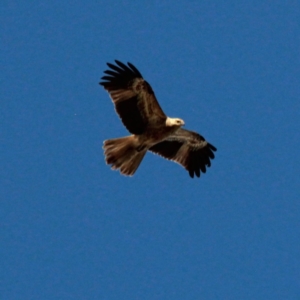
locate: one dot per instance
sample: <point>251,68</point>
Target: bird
<point>149,127</point>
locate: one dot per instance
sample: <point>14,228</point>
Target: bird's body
<point>151,129</point>
<point>158,132</point>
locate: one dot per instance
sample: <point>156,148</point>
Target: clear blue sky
<point>73,229</point>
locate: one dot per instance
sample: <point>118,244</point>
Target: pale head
<point>174,122</point>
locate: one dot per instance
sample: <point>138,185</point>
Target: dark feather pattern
<point>197,156</point>
<point>121,78</point>
<point>131,116</point>
<point>133,106</point>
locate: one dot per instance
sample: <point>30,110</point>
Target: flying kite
<point>151,129</point>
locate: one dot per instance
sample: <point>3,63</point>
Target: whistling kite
<point>151,129</point>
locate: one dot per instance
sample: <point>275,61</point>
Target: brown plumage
<point>151,129</point>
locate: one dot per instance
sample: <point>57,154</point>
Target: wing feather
<point>133,97</point>
<point>187,148</point>
<point>135,70</point>
<point>109,72</point>
<point>113,67</point>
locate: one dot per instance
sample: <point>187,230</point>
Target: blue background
<point>73,229</point>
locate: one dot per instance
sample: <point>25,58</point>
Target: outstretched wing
<point>132,96</point>
<point>187,148</point>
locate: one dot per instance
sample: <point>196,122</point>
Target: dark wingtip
<point>191,173</point>
<point>134,69</point>
<point>120,64</point>
<point>120,68</point>
<point>114,67</point>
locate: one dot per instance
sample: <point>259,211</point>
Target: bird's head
<point>174,122</point>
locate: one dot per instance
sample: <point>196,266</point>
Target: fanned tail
<point>121,153</point>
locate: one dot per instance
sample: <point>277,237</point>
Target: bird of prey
<point>151,129</point>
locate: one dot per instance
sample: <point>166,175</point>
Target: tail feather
<point>121,154</point>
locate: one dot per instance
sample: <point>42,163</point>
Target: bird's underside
<point>151,130</point>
